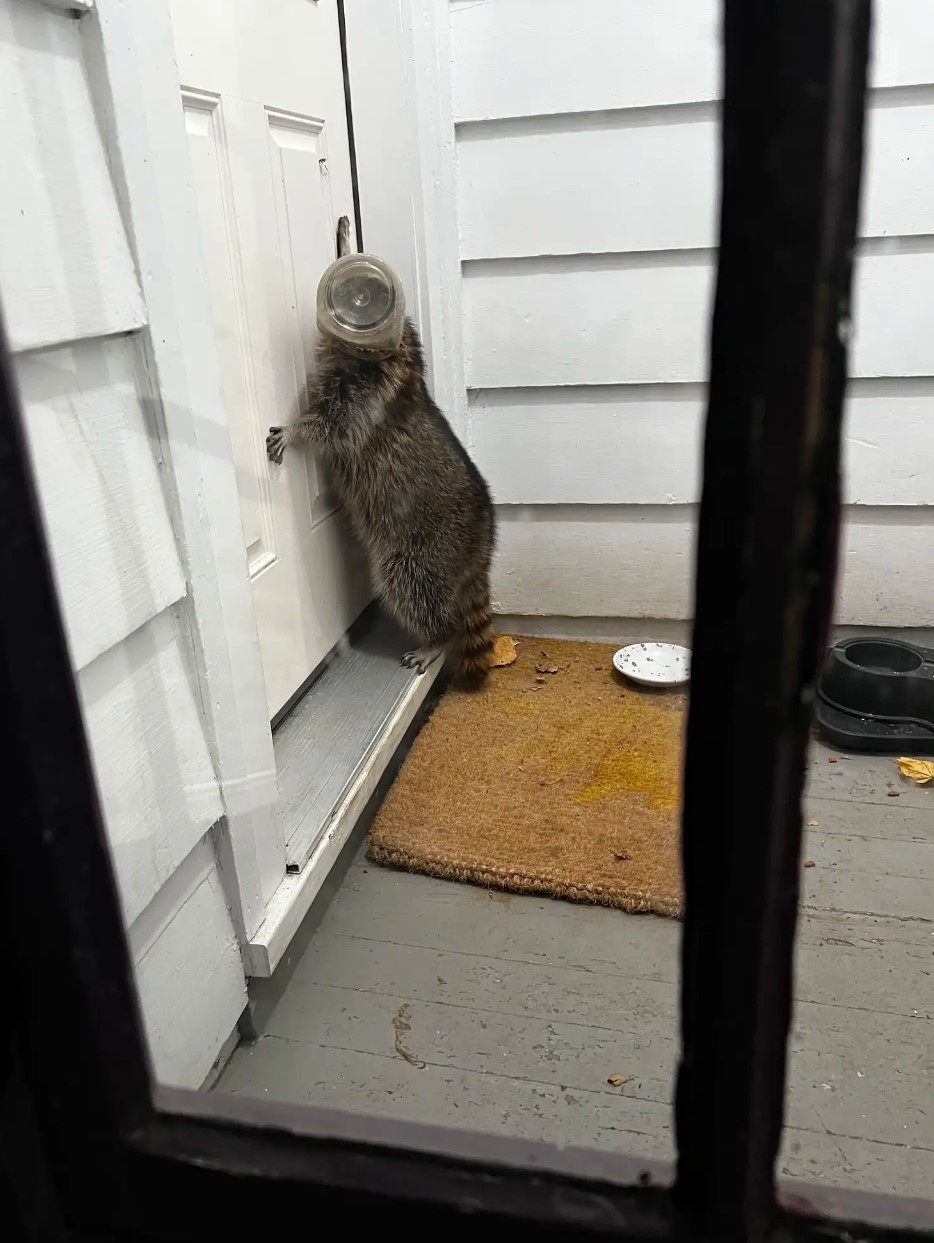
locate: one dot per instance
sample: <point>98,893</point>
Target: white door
<point>263,95</point>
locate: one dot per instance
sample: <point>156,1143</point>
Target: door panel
<point>262,91</point>
<point>212,185</point>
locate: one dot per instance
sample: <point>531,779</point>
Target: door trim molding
<point>139,99</point>
<point>398,58</point>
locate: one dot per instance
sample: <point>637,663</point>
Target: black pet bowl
<point>877,695</point>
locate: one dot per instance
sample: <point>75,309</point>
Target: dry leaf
<point>617,1081</point>
<point>546,665</point>
<point>920,771</point>
<point>893,794</point>
<point>402,1028</point>
<point>809,863</point>
<point>504,652</point>
<point>622,855</point>
<point>812,824</point>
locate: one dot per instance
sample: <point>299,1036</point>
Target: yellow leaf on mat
<point>921,771</point>
<point>504,652</point>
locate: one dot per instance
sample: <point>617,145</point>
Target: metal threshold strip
<point>329,735</point>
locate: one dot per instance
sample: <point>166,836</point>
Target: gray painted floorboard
<point>519,1008</point>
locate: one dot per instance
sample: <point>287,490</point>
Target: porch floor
<point>439,1002</point>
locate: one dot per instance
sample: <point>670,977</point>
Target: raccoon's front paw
<point>275,444</point>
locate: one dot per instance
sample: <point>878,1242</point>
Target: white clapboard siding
<point>594,560</point>
<point>639,180</point>
<point>649,179</point>
<point>893,311</point>
<point>602,319</point>
<point>636,444</point>
<point>898,177</point>
<point>93,454</point>
<point>72,308</point>
<point>523,57</point>
<point>587,150</point>
<point>641,444</point>
<point>154,773</point>
<point>188,971</point>
<point>885,578</point>
<point>637,561</point>
<point>65,266</point>
<point>643,319</point>
<point>888,442</point>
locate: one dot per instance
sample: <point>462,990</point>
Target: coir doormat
<point>557,778</point>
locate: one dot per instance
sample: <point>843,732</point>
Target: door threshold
<point>327,737</point>
<point>331,752</point>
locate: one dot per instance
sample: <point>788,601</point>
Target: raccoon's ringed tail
<point>476,645</point>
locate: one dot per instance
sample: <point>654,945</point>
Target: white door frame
<point>399,70</point>
<point>399,65</point>
<point>144,113</point>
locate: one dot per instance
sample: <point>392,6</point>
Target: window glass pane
<point>347,882</point>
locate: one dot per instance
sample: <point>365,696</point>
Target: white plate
<point>654,664</point>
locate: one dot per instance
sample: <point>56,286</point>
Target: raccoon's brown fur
<point>420,507</point>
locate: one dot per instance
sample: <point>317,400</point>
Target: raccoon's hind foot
<point>422,658</point>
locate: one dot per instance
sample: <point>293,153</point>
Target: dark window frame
<point>91,1149</point>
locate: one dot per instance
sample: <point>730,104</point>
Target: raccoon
<point>420,507</point>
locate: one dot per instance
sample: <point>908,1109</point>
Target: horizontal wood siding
<point>94,452</point>
<point>74,310</point>
<point>643,318</point>
<point>640,444</point>
<point>587,192</point>
<point>152,763</point>
<point>527,57</point>
<point>65,266</point>
<point>637,561</point>
<point>596,182</point>
<point>188,971</point>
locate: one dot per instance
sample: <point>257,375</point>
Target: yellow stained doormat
<point>557,778</point>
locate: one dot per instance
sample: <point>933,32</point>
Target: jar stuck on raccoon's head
<point>362,305</point>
